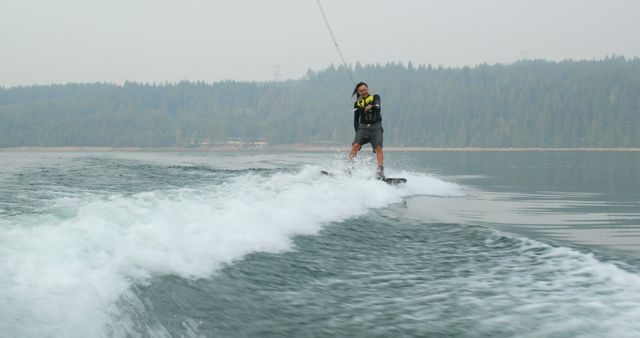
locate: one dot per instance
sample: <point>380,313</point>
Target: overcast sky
<point>64,41</point>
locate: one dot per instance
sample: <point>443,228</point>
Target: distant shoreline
<point>302,148</point>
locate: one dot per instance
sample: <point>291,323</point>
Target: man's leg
<point>379,156</point>
<point>354,150</point>
<point>376,143</point>
<point>380,160</point>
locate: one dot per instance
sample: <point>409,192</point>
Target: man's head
<point>361,89</point>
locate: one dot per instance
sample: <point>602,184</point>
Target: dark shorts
<point>371,134</point>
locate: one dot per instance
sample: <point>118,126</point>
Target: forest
<point>529,103</point>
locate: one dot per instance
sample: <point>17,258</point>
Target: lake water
<point>476,244</point>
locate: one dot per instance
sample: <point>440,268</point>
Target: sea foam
<point>64,270</point>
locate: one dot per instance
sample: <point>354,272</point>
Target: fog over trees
<point>531,103</point>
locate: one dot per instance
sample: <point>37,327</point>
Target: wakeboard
<point>394,180</point>
<point>387,180</point>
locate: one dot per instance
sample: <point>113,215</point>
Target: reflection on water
<point>560,218</point>
<point>583,198</point>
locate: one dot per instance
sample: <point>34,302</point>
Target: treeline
<point>526,104</point>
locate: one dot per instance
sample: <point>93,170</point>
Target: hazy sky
<point>143,40</point>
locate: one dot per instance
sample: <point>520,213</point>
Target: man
<point>367,122</point>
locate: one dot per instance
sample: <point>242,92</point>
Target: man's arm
<point>356,117</point>
<point>375,106</point>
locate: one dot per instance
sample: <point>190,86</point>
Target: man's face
<point>363,91</point>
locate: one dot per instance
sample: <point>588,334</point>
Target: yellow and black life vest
<point>367,117</point>
<point>364,102</point>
